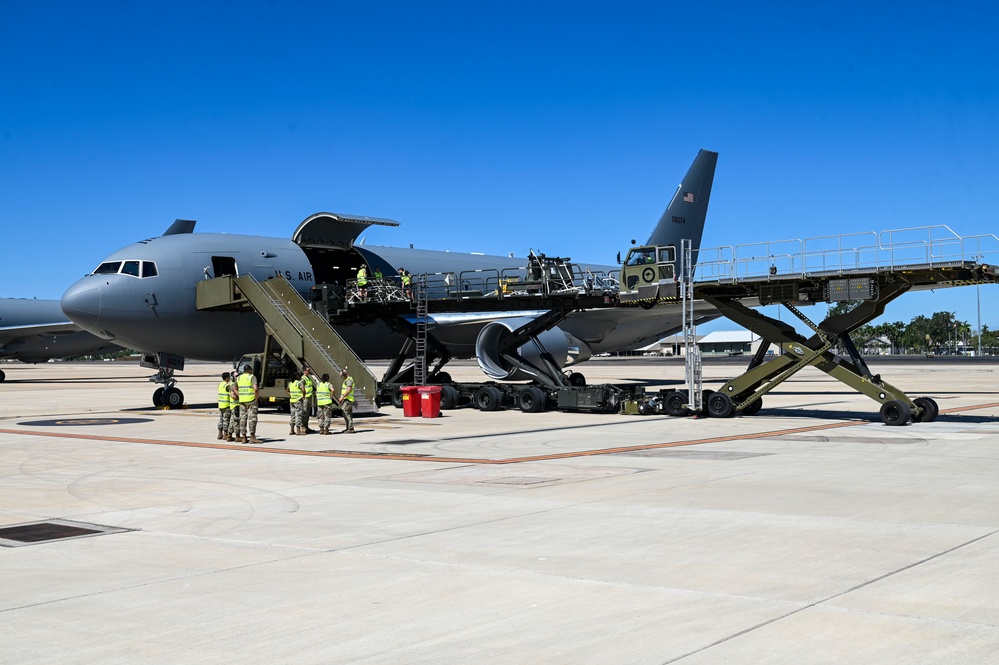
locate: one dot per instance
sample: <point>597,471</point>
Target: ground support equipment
<point>744,393</point>
<point>295,333</point>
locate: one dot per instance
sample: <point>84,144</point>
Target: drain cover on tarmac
<point>76,422</point>
<point>32,533</point>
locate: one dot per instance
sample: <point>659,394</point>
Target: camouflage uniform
<point>248,420</point>
<point>347,401</point>
<point>295,406</point>
<point>224,408</point>
<point>247,407</point>
<point>233,409</point>
<point>324,402</point>
<point>309,390</point>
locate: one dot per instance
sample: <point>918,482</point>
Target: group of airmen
<point>309,396</point>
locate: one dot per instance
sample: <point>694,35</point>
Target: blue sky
<point>563,127</point>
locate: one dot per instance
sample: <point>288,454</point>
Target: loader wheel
<point>488,398</point>
<point>675,404</point>
<point>531,400</point>
<point>449,397</point>
<point>895,413</point>
<point>929,412</point>
<point>753,407</point>
<point>719,405</point>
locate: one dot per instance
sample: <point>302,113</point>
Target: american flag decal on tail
<point>688,197</point>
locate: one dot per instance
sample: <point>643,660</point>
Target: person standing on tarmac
<point>233,409</point>
<point>224,411</point>
<point>324,401</point>
<point>309,399</point>
<point>347,401</point>
<point>248,393</point>
<point>295,396</point>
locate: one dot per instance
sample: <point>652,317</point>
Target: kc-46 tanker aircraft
<point>143,295</point>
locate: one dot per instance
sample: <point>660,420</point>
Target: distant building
<point>718,343</point>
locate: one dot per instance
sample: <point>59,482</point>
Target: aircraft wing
<point>9,333</point>
<point>476,319</point>
<point>38,342</point>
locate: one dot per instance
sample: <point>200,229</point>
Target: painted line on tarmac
<point>258,448</point>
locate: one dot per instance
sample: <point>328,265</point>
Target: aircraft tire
<point>753,407</point>
<point>576,379</point>
<point>158,397</point>
<point>929,412</point>
<point>719,405</point>
<point>173,398</point>
<point>488,398</point>
<point>2,376</point>
<point>449,397</point>
<point>674,404</point>
<point>397,397</point>
<point>442,377</point>
<point>531,400</point>
<point>895,413</point>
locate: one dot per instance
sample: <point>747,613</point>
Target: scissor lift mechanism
<point>744,393</point>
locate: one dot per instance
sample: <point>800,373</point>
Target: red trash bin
<point>430,396</point>
<point>410,401</point>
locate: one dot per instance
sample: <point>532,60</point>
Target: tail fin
<point>685,214</point>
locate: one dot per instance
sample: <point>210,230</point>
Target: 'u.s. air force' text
<point>290,276</point>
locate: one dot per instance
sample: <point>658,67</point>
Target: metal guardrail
<point>872,251</point>
<point>489,283</point>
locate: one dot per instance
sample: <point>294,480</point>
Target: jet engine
<point>494,341</point>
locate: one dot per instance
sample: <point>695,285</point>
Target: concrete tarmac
<point>810,533</point>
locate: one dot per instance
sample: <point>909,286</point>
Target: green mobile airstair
<point>304,336</point>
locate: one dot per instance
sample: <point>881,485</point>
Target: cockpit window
<point>133,268</point>
<point>108,268</point>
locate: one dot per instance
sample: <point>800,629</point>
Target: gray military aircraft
<point>143,295</point>
<point>34,331</point>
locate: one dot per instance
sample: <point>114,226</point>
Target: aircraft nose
<point>82,304</point>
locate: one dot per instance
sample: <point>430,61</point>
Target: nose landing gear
<point>170,397</point>
<point>165,364</point>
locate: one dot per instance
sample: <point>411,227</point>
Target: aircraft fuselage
<point>157,313</point>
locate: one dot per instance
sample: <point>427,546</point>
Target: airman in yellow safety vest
<point>324,401</point>
<point>225,412</point>
<point>347,400</point>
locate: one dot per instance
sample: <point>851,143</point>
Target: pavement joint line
<point>467,460</point>
<point>822,601</point>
